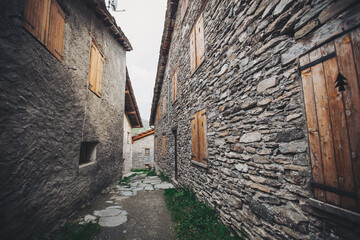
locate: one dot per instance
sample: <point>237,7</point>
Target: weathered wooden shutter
<point>155,144</point>
<point>163,146</point>
<point>202,136</point>
<point>93,68</point>
<point>164,106</point>
<point>56,30</point>
<point>333,119</point>
<point>36,18</point>
<point>158,111</point>
<point>194,138</point>
<point>192,51</point>
<point>200,40</point>
<point>100,63</point>
<point>175,85</point>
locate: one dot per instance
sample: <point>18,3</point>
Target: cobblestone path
<point>133,212</point>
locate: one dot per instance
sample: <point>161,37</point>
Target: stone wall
<point>258,172</point>
<point>127,149</point>
<point>47,110</point>
<point>139,159</point>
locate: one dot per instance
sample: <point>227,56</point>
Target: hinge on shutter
<point>192,118</point>
<point>27,21</point>
<point>58,53</point>
<point>322,59</point>
<point>334,190</point>
<point>204,113</point>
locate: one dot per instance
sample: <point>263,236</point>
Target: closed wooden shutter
<point>192,51</point>
<point>56,30</point>
<point>194,138</point>
<point>202,136</point>
<point>155,144</point>
<point>163,146</point>
<point>200,41</point>
<point>36,18</point>
<point>158,111</point>
<point>100,63</point>
<point>93,68</point>
<point>333,119</point>
<point>164,106</point>
<point>175,85</point>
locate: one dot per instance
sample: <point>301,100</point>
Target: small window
<point>87,152</point>
<point>197,44</point>
<point>96,67</point>
<point>45,20</point>
<point>199,139</point>
<point>147,151</point>
<point>174,86</point>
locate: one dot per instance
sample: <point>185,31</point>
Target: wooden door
<point>330,77</point>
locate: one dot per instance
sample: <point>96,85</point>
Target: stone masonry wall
<point>47,110</point>
<point>258,174</point>
<point>127,149</point>
<point>139,158</point>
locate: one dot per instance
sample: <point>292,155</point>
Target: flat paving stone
<point>164,186</point>
<point>107,212</point>
<point>113,221</point>
<point>127,193</point>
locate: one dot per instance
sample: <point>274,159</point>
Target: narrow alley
<point>179,119</point>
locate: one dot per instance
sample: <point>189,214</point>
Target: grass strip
<point>76,231</point>
<point>194,219</point>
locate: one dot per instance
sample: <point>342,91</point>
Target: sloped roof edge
<point>133,99</point>
<point>142,135</point>
<point>169,24</point>
<point>100,8</point>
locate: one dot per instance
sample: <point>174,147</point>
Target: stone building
<point>143,150</point>
<point>63,75</point>
<point>132,120</point>
<point>256,108</point>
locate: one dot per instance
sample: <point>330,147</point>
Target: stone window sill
<point>199,164</point>
<point>350,215</point>
<point>86,165</point>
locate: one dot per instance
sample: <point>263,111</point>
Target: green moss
<point>194,219</point>
<point>126,180</point>
<point>163,177</point>
<point>75,231</point>
<point>152,172</point>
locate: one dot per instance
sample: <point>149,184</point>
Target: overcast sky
<point>142,22</point>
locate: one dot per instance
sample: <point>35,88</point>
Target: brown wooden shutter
<point>202,136</point>
<point>333,119</point>
<point>175,85</point>
<point>93,68</point>
<point>192,51</point>
<point>36,18</point>
<point>56,30</point>
<point>200,40</point>
<point>164,106</point>
<point>155,144</point>
<point>163,146</point>
<point>194,138</point>
<point>158,111</point>
<point>100,63</point>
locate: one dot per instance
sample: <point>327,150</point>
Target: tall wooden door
<point>330,77</point>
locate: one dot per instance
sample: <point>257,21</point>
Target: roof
<point>169,24</point>
<point>142,135</point>
<point>110,23</point>
<point>131,108</point>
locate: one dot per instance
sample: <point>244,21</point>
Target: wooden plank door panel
<point>314,138</point>
<point>352,112</point>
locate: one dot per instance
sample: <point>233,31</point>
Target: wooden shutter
<point>163,146</point>
<point>201,118</point>
<point>175,85</point>
<point>93,68</point>
<point>56,30</point>
<point>333,119</point>
<point>158,111</point>
<point>200,41</point>
<point>164,106</point>
<point>155,144</point>
<point>194,138</point>
<point>100,63</point>
<point>36,18</point>
<point>192,51</point>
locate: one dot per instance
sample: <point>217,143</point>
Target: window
<point>174,86</point>
<point>184,4</point>
<point>197,44</point>
<point>87,152</point>
<point>45,20</point>
<point>147,151</point>
<point>332,104</point>
<point>163,146</point>
<point>96,67</point>
<point>199,140</point>
<point>164,106</point>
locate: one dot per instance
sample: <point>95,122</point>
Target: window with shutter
<point>158,111</point>
<point>164,106</point>
<point>174,86</point>
<point>95,72</point>
<point>330,77</point>
<point>198,137</point>
<point>197,44</point>
<point>45,20</point>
